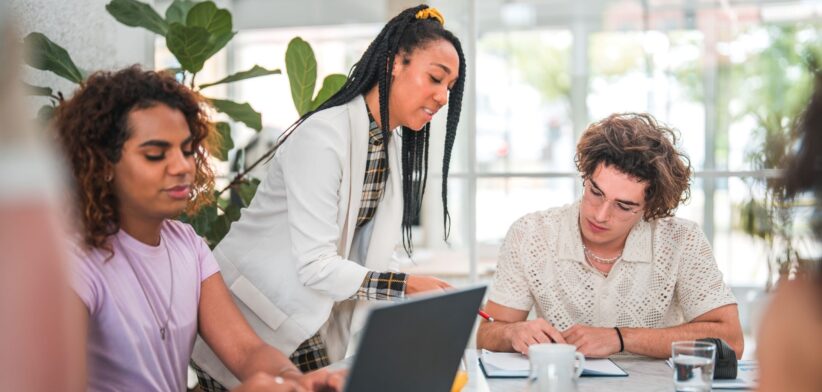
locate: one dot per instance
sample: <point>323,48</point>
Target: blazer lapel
<point>358,150</point>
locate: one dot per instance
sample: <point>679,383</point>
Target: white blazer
<point>286,259</point>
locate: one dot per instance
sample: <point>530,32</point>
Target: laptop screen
<point>415,345</point>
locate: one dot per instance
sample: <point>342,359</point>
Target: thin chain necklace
<point>162,325</point>
<point>598,259</point>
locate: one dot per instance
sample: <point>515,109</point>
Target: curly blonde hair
<point>637,145</point>
<point>93,126</point>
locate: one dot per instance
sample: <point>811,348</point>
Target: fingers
<point>418,284</point>
<point>534,332</point>
<point>336,381</point>
<point>553,333</point>
<point>571,335</point>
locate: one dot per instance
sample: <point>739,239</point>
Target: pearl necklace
<point>162,325</point>
<point>601,260</point>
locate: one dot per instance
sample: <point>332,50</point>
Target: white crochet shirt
<point>667,275</point>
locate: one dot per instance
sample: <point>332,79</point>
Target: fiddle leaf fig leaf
<point>46,55</point>
<point>226,143</point>
<point>206,15</point>
<point>254,72</point>
<point>37,91</point>
<point>190,45</point>
<point>301,67</point>
<point>331,84</point>
<point>243,113</point>
<point>178,11</point>
<point>137,14</point>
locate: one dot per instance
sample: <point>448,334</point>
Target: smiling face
<point>154,175</point>
<point>421,82</point>
<point>611,205</point>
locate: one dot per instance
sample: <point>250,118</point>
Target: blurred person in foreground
<point>145,283</point>
<point>38,334</point>
<point>615,271</point>
<point>789,346</point>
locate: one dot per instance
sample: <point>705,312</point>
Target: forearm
<point>494,336</point>
<point>656,342</point>
<point>265,359</point>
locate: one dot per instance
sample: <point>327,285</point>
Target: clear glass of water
<point>693,365</point>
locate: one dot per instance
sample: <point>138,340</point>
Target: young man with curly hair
<point>614,271</point>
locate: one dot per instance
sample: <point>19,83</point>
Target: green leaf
<point>206,15</point>
<point>45,113</point>
<point>137,14</point>
<point>190,45</point>
<point>217,42</point>
<point>243,113</point>
<point>301,67</point>
<point>232,213</point>
<point>37,91</point>
<point>216,21</point>
<point>202,221</point>
<point>194,45</point>
<point>331,84</point>
<point>247,190</point>
<point>178,11</point>
<point>45,55</point>
<point>218,230</point>
<point>254,72</point>
<point>226,143</point>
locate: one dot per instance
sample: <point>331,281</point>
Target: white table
<point>644,375</point>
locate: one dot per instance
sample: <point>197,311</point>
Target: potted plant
<point>194,31</point>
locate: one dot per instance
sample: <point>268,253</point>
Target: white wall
<point>93,38</point>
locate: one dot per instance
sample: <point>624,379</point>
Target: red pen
<point>486,316</point>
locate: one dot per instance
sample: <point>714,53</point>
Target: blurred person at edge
<point>38,335</point>
<point>789,346</point>
<point>614,271</point>
<point>147,284</point>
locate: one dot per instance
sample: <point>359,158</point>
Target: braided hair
<point>403,34</point>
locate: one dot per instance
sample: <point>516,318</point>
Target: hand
<point>525,333</point>
<point>419,284</point>
<point>593,342</point>
<point>323,380</point>
<point>264,382</point>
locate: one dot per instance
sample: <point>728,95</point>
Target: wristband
<point>621,343</point>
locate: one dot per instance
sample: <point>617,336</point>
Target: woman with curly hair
<point>147,284</point>
<point>614,271</point>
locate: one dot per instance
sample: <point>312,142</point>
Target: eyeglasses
<point>595,198</point>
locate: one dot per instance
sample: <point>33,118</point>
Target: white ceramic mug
<point>554,367</point>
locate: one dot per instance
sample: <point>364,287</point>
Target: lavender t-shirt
<point>125,349</point>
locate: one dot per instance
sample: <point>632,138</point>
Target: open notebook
<point>516,365</point>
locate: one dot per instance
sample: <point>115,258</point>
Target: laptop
<point>415,345</point>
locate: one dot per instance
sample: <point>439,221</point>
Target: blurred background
<point>730,75</point>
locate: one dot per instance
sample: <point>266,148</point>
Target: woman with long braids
<point>346,182</point>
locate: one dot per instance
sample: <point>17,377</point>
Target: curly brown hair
<point>637,145</point>
<point>93,126</point>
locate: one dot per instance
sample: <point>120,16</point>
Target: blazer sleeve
<point>312,161</point>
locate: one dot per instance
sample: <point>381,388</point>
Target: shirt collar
<point>638,246</point>
<point>374,131</point>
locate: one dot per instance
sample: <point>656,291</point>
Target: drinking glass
<point>693,363</point>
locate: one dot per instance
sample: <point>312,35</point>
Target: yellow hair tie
<point>429,13</point>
